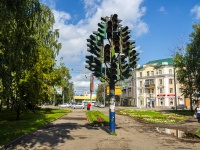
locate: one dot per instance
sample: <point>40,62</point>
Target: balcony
<point>148,86</point>
<point>149,83</point>
<point>150,95</point>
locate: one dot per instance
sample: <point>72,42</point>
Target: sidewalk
<point>71,132</point>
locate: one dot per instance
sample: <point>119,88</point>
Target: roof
<point>159,62</point>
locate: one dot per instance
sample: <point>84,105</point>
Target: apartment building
<point>153,84</point>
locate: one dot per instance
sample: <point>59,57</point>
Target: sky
<point>157,26</point>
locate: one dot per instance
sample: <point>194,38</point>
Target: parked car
<point>179,106</point>
<point>79,105</point>
<point>65,105</point>
<point>101,105</point>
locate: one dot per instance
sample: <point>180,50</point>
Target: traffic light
<point>109,30</point>
<point>125,70</point>
<point>92,40</point>
<point>102,30</point>
<point>97,67</point>
<point>107,53</point>
<point>133,58</point>
<point>115,22</point>
<point>116,42</point>
<point>114,71</point>
<point>93,47</point>
<point>132,54</point>
<point>90,60</point>
<point>125,40</point>
<point>94,65</point>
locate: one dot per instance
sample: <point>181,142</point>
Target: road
<point>71,132</point>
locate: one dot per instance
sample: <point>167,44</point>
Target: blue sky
<point>158,27</point>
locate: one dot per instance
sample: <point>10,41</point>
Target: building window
<point>160,71</point>
<point>160,81</point>
<point>171,102</point>
<point>170,71</point>
<point>147,73</point>
<point>171,90</point>
<point>140,83</point>
<point>161,102</point>
<point>140,74</point>
<point>140,91</point>
<point>149,91</point>
<point>180,90</point>
<point>170,81</point>
<point>152,90</point>
<point>152,73</point>
<point>160,90</point>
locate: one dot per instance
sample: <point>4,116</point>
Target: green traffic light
<point>102,30</point>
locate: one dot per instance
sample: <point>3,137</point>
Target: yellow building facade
<point>154,84</point>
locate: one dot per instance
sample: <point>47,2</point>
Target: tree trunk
<point>191,107</point>
<point>18,112</point>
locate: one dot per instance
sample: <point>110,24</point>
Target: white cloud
<point>196,11</point>
<point>50,3</point>
<point>73,36</point>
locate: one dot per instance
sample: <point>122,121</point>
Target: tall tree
<point>187,64</point>
<point>28,47</point>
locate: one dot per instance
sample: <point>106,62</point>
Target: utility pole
<point>175,87</point>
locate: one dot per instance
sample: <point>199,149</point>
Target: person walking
<point>88,106</point>
<point>197,111</point>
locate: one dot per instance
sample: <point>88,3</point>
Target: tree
<point>28,47</point>
<point>99,92</point>
<point>187,64</point>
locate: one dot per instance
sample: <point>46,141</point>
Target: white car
<point>101,105</point>
<point>65,105</point>
<point>79,105</point>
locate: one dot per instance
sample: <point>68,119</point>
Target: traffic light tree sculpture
<point>118,56</point>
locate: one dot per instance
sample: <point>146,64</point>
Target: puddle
<point>179,134</point>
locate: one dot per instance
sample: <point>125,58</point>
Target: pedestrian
<point>88,106</point>
<point>197,111</point>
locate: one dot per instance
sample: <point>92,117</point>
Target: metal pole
<point>112,107</point>
<point>175,87</point>
<point>105,89</point>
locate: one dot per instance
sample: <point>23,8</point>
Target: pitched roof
<point>159,62</point>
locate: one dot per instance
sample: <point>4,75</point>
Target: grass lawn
<point>97,118</point>
<point>153,116</point>
<point>10,128</point>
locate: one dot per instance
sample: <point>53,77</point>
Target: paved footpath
<point>71,132</point>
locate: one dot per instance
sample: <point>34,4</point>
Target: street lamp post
<point>175,87</point>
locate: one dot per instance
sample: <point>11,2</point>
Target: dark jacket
<point>197,111</point>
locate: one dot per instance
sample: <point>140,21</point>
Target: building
<point>153,84</point>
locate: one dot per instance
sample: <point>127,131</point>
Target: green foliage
<point>10,129</point>
<point>187,63</point>
<point>100,91</point>
<point>97,118</point>
<point>198,132</point>
<point>28,48</point>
